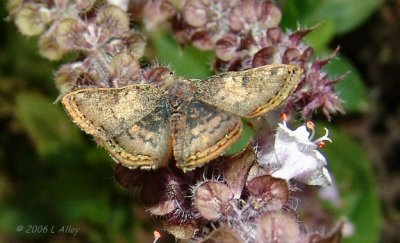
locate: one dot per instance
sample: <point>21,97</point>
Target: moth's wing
<point>202,134</point>
<point>124,120</point>
<point>145,144</point>
<point>251,92</point>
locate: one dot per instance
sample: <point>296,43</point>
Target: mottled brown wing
<point>130,122</point>
<point>251,92</point>
<point>202,134</point>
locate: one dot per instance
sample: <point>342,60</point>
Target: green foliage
<point>351,89</point>
<point>345,15</point>
<point>321,36</point>
<point>45,123</point>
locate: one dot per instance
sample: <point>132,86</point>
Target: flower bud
<point>13,6</point>
<point>270,14</point>
<point>225,48</point>
<point>158,76</point>
<point>263,56</point>
<point>67,76</point>
<point>268,192</point>
<point>274,35</point>
<point>30,20</point>
<point>136,44</point>
<point>182,230</point>
<point>49,47</point>
<point>163,207</point>
<point>70,35</point>
<point>195,12</point>
<point>202,40</point>
<point>124,69</point>
<point>212,199</point>
<point>112,21</point>
<point>156,12</point>
<point>291,55</point>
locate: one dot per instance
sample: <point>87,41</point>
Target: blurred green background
<point>51,174</point>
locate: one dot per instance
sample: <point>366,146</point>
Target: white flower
<point>295,156</point>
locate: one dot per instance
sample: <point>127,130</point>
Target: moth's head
<point>179,92</point>
<point>169,79</point>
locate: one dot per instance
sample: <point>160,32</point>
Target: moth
<point>189,121</point>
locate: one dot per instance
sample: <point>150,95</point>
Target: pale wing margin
<point>251,92</point>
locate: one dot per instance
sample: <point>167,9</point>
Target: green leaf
<point>94,208</point>
<point>118,218</point>
<point>46,123</point>
<point>345,14</point>
<point>185,61</point>
<point>352,90</point>
<point>321,36</point>
<point>293,11</point>
<point>357,185</point>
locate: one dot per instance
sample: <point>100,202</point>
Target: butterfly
<point>189,120</point>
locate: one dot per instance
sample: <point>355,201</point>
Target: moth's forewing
<point>251,92</point>
<point>130,122</point>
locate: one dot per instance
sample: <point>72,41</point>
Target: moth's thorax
<point>180,92</point>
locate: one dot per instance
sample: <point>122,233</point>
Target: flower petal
<point>299,158</point>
